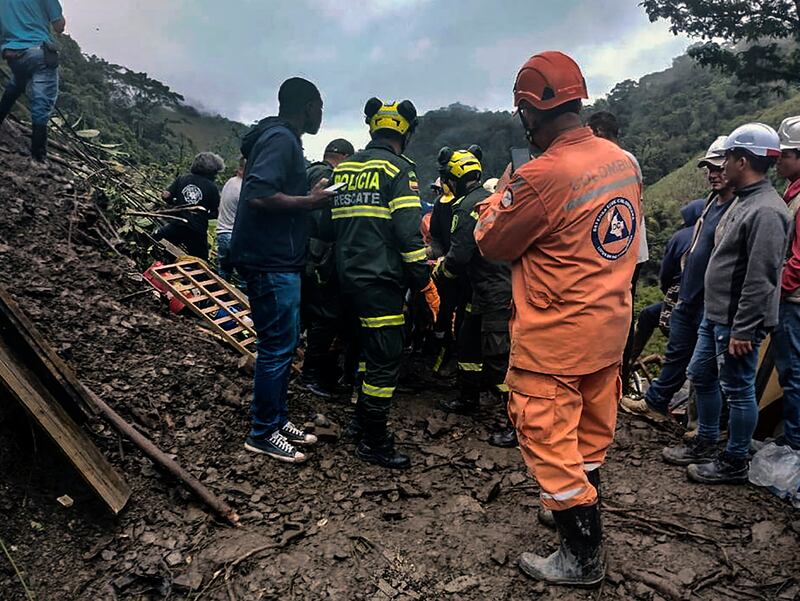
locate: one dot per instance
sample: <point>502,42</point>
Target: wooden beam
<point>33,374</point>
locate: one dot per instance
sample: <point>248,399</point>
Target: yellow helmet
<point>400,117</point>
<point>456,164</point>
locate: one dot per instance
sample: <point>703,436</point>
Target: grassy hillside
<point>664,198</point>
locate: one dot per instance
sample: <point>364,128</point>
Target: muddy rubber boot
<point>382,452</point>
<point>467,402</point>
<point>545,516</point>
<point>505,438</point>
<point>39,143</point>
<point>579,560</point>
<point>354,431</point>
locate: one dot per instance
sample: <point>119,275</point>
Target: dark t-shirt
<point>694,272</point>
<point>266,240</point>
<point>195,190</point>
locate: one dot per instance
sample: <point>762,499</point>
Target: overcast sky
<point>230,56</point>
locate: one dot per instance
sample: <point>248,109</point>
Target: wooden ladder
<point>221,306</point>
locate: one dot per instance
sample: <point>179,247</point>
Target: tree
<point>761,37</point>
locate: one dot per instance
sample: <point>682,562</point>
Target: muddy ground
<point>450,528</point>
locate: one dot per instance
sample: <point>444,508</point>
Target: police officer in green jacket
<point>379,252</point>
<point>483,340</point>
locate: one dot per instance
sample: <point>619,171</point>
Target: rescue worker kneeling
<point>567,221</point>
<point>379,255</point>
<point>483,340</point>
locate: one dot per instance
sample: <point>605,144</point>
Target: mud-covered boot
<point>579,560</point>
<point>466,403</point>
<point>354,431</point>
<point>545,515</point>
<point>381,451</point>
<point>39,144</point>
<point>505,438</point>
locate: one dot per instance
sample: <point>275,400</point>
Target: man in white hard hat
<point>786,337</point>
<point>688,312</point>
<point>742,294</point>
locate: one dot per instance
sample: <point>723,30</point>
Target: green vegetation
<point>760,38</point>
<point>458,126</point>
<point>134,118</point>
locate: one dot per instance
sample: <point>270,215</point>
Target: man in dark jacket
<point>268,247</point>
<point>453,294</point>
<point>742,293</point>
<point>197,193</point>
<point>322,311</point>
<point>483,340</point>
<point>688,312</point>
<point>379,255</point>
<point>669,276</point>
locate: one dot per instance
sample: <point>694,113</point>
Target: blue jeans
<point>29,72</point>
<point>711,368</point>
<point>786,352</point>
<point>275,306</point>
<point>224,267</point>
<point>683,325</point>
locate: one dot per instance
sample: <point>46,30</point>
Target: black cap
<point>340,146</point>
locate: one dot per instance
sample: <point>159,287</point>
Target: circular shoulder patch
<point>508,198</point>
<point>614,229</point>
<point>192,194</point>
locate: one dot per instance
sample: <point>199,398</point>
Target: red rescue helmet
<point>549,79</point>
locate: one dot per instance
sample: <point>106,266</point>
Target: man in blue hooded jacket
<point>268,247</point>
<point>669,276</point>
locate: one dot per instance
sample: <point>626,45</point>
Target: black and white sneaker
<point>275,446</point>
<point>295,435</point>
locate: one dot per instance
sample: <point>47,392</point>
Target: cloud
<point>230,57</point>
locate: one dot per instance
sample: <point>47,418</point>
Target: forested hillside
<point>458,126</point>
<point>134,117</point>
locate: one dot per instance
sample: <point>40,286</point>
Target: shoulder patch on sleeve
<point>508,198</point>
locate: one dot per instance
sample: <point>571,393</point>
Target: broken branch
<point>158,456</point>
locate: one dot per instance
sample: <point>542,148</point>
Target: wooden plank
<point>34,360</point>
<point>26,388</point>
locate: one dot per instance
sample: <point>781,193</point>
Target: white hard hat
<point>490,185</point>
<point>758,138</point>
<point>715,154</point>
<point>789,133</point>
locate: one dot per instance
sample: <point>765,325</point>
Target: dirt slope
<point>450,528</point>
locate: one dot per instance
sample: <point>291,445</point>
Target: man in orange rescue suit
<point>379,255</point>
<point>568,223</point>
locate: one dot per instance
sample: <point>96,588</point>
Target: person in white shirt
<point>229,200</point>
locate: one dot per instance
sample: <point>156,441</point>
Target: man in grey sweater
<point>742,292</point>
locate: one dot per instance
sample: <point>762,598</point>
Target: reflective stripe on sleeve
<point>414,256</point>
<point>405,202</point>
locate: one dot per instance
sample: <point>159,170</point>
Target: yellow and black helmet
<point>399,117</point>
<point>458,164</point>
